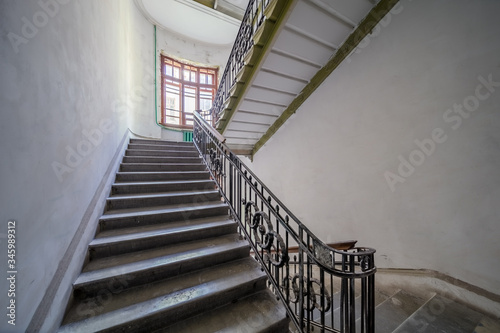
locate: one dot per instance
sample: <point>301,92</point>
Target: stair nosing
<point>113,214</point>
<point>112,240</point>
<point>85,278</point>
<point>162,195</point>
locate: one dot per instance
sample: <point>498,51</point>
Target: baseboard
<point>51,309</point>
<point>423,280</point>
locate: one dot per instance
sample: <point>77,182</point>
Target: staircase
<point>167,257</point>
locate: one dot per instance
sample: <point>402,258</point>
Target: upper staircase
<point>283,51</point>
<point>166,252</point>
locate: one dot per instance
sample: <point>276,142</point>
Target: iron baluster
<point>270,228</point>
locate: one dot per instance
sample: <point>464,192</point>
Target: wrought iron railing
<point>322,287</point>
<point>252,20</point>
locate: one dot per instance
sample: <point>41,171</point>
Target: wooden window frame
<point>182,84</point>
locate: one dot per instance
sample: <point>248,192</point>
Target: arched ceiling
<point>197,21</point>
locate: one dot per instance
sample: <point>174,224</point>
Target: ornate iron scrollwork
<point>265,237</point>
<point>365,262</point>
<point>215,163</point>
<point>311,293</point>
<point>323,254</point>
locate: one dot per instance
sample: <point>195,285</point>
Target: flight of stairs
<point>167,257</point>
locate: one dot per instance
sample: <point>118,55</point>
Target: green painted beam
<point>364,28</point>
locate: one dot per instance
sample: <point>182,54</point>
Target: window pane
<point>206,97</point>
<point>168,70</point>
<point>172,102</point>
<point>177,74</point>
<point>189,103</point>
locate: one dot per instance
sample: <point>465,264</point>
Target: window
<point>185,88</point>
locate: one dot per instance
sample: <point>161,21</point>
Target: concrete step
<point>162,186</point>
<point>136,167</point>
<point>441,314</point>
<point>161,142</point>
<point>150,265</point>
<point>150,307</point>
<point>161,199</point>
<point>157,146</point>
<point>162,159</point>
<point>160,176</point>
<point>119,241</point>
<point>260,313</point>
<point>161,153</point>
<point>126,218</point>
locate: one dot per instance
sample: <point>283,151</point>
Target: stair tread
<point>169,182</point>
<point>160,194</point>
<point>135,233</point>
<point>441,314</point>
<point>153,151</point>
<point>160,141</point>
<point>161,163</point>
<point>127,263</point>
<point>125,306</point>
<point>160,172</point>
<point>260,312</point>
<point>166,144</point>
<point>141,211</point>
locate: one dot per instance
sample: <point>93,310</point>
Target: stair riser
<point>160,147</point>
<point>125,222</point>
<point>190,308</point>
<point>151,177</point>
<point>152,188</point>
<point>146,159</point>
<point>161,153</point>
<point>161,272</point>
<point>96,252</point>
<point>160,201</point>
<point>161,167</point>
<point>160,142</point>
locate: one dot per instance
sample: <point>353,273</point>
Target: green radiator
<point>187,136</point>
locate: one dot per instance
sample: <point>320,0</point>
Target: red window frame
<point>185,88</point>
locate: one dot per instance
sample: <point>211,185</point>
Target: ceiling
<point>211,22</point>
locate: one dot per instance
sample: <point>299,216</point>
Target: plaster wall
<point>67,70</point>
<point>399,148</point>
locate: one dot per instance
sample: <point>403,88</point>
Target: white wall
<point>330,161</point>
<point>68,70</point>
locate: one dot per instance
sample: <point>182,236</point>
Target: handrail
<point>252,20</point>
<point>305,285</point>
<point>213,131</point>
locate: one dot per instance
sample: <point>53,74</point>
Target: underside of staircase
<point>167,256</point>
